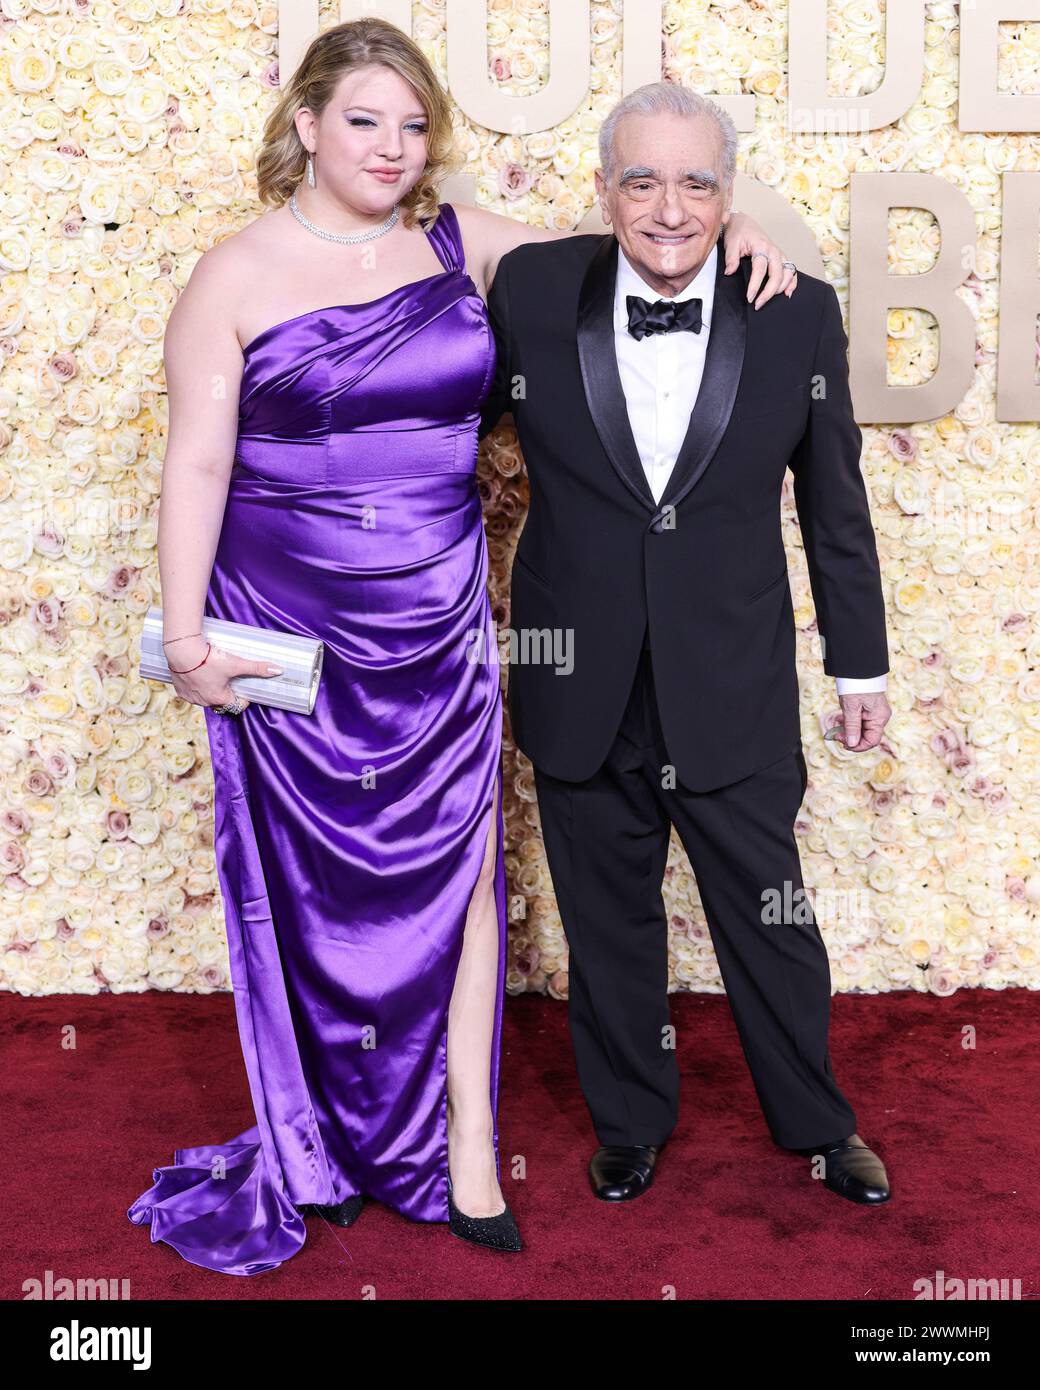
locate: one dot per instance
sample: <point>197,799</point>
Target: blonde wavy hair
<point>282,159</point>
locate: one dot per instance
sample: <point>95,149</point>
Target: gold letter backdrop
<point>128,137</point>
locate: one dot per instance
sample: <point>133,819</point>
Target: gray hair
<point>656,97</point>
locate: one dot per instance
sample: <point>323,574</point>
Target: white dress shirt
<point>661,377</point>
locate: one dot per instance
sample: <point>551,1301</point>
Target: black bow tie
<point>663,316</point>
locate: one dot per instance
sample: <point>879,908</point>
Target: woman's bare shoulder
<point>241,254</point>
<point>226,275</point>
<point>495,231</point>
<point>487,236</point>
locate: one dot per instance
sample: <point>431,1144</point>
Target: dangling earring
<point>310,171</point>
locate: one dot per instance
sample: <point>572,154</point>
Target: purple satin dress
<point>349,841</point>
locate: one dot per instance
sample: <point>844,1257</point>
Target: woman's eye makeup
<point>417,127</point>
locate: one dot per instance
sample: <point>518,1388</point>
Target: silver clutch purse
<point>300,657</point>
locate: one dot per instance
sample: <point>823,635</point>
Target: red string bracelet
<point>209,648</point>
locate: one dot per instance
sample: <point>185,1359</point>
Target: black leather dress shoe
<point>853,1171</point>
<point>620,1172</point>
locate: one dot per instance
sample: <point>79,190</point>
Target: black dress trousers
<point>606,841</point>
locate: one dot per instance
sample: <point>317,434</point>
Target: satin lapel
<point>723,362</point>
<point>599,370</point>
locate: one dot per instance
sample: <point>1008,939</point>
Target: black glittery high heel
<point>495,1232</point>
<point>342,1214</point>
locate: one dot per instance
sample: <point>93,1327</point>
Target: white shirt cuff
<point>861,685</point>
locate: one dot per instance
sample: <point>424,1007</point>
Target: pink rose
<point>120,580</point>
<point>944,741</point>
<point>943,982</point>
<point>63,366</point>
<point>527,961</point>
<point>49,541</point>
<point>902,446</point>
<point>59,765</point>
<point>514,181</point>
<point>12,856</point>
<point>45,614</point>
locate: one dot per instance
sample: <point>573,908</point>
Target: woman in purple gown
<point>334,494</point>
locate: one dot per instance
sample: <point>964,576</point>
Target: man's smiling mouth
<point>660,239</point>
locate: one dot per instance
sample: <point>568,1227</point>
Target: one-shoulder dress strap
<point>447,239</point>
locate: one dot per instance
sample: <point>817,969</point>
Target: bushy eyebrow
<point>644,171</point>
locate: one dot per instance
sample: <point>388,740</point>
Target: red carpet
<point>729,1216</point>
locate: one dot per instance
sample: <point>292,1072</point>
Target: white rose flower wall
<point>127,142</point>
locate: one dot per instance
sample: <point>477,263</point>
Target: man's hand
<point>865,717</point>
<point>744,237</point>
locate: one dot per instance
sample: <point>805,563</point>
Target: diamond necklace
<point>346,238</point>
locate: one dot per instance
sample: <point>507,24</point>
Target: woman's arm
<point>488,236</point>
<point>203,361</point>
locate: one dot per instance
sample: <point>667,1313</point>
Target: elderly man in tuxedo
<point>658,412</point>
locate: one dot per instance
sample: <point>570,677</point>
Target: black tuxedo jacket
<point>706,568</point>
